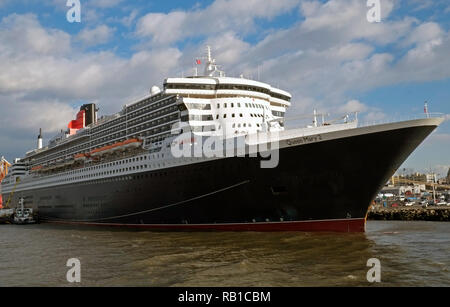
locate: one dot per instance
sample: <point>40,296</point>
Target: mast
<point>210,66</point>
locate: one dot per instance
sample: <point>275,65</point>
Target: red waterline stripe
<point>347,225</point>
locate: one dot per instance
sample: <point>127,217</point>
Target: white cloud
<point>334,52</point>
<point>221,16</point>
<point>97,36</point>
<point>46,114</point>
<point>129,20</point>
<point>105,3</point>
<point>375,117</point>
<point>353,106</point>
<point>422,4</point>
<point>43,86</point>
<point>23,33</point>
<point>425,33</point>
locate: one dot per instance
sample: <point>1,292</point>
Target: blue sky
<point>324,52</point>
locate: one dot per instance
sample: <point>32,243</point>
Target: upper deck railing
<point>401,118</point>
<point>319,119</point>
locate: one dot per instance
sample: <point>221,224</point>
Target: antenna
<point>208,53</point>
<point>425,109</point>
<point>210,66</point>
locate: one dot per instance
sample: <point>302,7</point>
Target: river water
<point>410,254</point>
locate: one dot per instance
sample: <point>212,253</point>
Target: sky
<point>325,53</point>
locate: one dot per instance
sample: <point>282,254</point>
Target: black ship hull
<point>322,186</point>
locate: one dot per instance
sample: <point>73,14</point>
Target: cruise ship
<point>211,152</point>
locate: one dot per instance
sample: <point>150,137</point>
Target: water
<point>411,254</point>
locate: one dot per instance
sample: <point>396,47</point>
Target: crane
<point>12,192</point>
<point>3,172</point>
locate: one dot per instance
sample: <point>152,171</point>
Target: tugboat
<point>23,215</point>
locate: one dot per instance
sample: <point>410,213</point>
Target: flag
<point>425,108</point>
<point>198,62</point>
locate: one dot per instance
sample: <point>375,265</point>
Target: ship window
<point>240,115</point>
<point>232,115</point>
<point>224,116</point>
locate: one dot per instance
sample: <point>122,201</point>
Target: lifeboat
<point>36,168</point>
<point>69,163</point>
<point>132,143</point>
<point>115,147</point>
<point>110,148</point>
<point>80,157</point>
<point>98,151</point>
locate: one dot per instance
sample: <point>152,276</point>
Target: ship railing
<point>321,119</point>
<point>401,118</point>
<point>317,120</point>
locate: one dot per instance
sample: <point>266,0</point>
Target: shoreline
<point>414,213</point>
